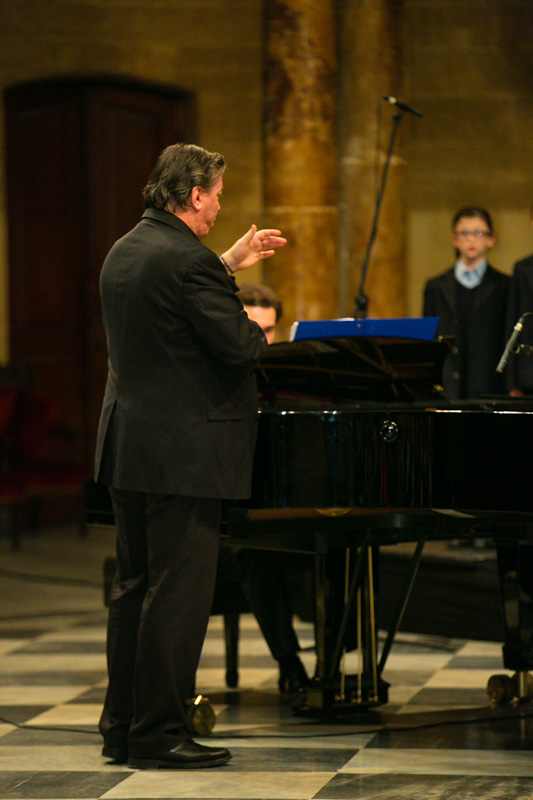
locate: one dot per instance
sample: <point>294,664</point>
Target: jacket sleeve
<point>210,306</point>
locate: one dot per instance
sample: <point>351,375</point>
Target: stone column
<point>300,155</point>
<point>370,67</point>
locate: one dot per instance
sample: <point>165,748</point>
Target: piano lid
<point>336,371</point>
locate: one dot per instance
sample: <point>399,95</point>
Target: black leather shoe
<point>293,678</point>
<point>188,755</point>
<point>117,754</point>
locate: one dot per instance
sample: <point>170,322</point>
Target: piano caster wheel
<point>201,715</point>
<point>503,689</point>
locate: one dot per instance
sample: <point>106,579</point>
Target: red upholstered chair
<point>12,494</point>
<point>9,397</point>
<point>34,427</point>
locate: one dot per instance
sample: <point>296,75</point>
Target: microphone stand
<point>361,301</point>
<point>512,346</point>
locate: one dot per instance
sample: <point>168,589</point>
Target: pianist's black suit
<point>470,370</point>
<point>176,436</point>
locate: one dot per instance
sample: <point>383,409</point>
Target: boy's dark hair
<point>473,211</point>
<point>258,295</point>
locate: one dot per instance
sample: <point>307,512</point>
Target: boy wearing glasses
<point>470,300</point>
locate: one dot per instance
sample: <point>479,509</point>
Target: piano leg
<point>515,569</point>
<point>345,621</point>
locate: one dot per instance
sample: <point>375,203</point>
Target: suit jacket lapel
<point>449,290</point>
<point>485,289</point>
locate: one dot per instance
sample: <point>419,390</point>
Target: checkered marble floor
<point>437,738</point>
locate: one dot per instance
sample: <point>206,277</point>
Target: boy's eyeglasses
<point>477,234</point>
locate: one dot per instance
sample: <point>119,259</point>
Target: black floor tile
<point>47,678</point>
<point>450,697</point>
<point>20,714</point>
<point>476,662</point>
<point>490,730</point>
<point>31,737</point>
<point>392,786</point>
<point>58,784</point>
<point>289,759</point>
<point>95,695</point>
<point>21,633</point>
<point>78,647</point>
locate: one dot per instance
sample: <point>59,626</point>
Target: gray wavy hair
<point>180,168</point>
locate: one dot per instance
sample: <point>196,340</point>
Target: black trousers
<point>167,550</point>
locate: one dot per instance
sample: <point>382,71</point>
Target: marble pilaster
<point>300,155</point>
<point>370,67</point>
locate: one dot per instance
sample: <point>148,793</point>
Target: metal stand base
<point>352,694</point>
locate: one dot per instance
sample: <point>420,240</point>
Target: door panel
<point>44,175</point>
<point>127,131</point>
<point>78,155</point>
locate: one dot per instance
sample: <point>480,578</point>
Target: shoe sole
<point>157,763</point>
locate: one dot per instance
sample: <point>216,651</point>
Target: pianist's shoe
<point>293,680</point>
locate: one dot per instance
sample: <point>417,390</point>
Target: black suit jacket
<point>179,414</point>
<point>486,336</point>
<point>519,370</point>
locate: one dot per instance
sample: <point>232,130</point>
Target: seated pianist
<point>263,572</point>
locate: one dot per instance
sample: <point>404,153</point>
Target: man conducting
<point>176,437</point>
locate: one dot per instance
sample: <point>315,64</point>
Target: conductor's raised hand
<point>254,246</point>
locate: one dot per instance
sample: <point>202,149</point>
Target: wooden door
<point>78,155</point>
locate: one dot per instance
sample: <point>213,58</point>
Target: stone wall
<point>467,64</point>
<point>469,68</point>
<point>210,47</point>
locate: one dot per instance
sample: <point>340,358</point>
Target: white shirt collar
<point>469,278</point>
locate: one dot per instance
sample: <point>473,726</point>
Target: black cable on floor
<point>280,735</point>
<point>24,726</point>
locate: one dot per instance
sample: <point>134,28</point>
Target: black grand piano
<point>357,447</point>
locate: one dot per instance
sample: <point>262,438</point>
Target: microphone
<point>511,344</point>
<point>402,106</point>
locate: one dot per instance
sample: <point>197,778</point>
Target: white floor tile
<point>220,784</point>
<point>71,714</point>
<point>38,695</point>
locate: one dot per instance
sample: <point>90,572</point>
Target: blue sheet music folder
<point>401,328</point>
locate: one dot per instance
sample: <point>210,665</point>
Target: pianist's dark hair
<point>257,295</point>
<point>180,168</point>
<point>474,211</point>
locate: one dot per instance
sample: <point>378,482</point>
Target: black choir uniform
<point>476,317</point>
